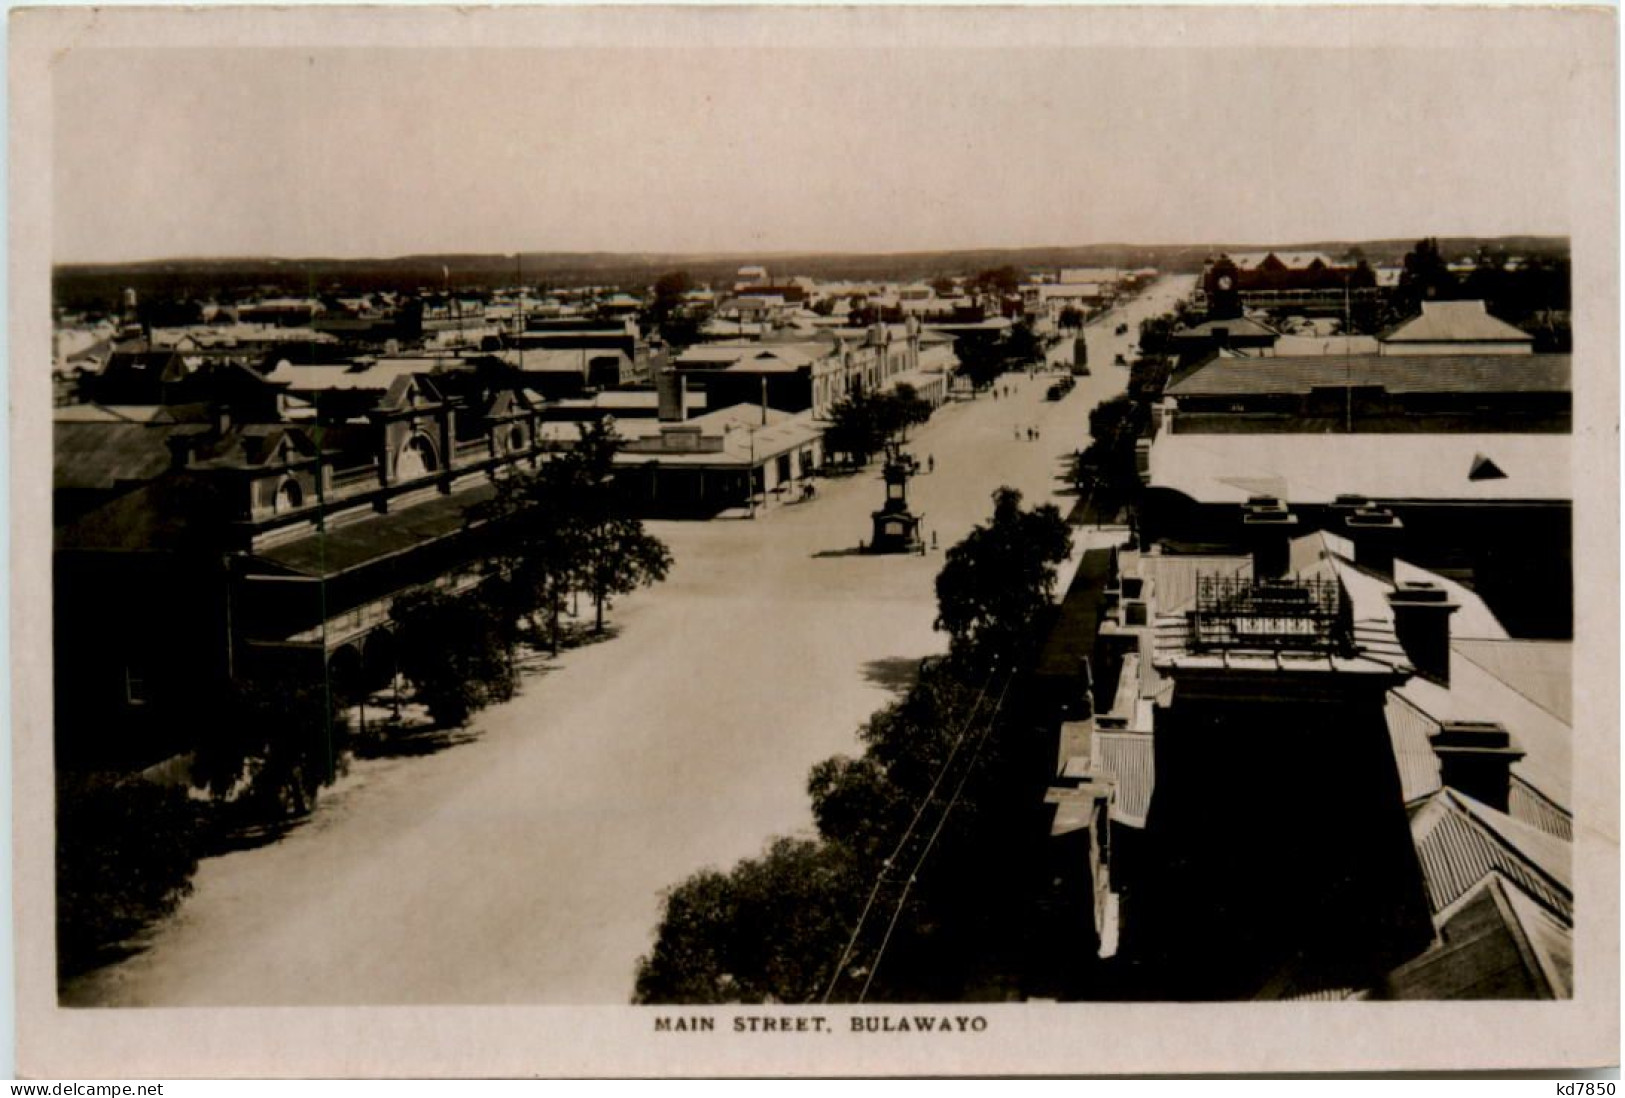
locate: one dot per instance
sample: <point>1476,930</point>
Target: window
<point>289,496</point>
<point>135,684</point>
<point>416,459</point>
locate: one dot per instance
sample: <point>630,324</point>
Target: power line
<point>919,863</point>
<point>908,832</point>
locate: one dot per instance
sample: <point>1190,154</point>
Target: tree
<point>453,650</point>
<point>981,361</point>
<point>943,286</point>
<point>898,409</point>
<point>1071,318</point>
<point>854,427</point>
<point>996,280</point>
<point>126,850</point>
<point>278,739</point>
<point>1425,277</point>
<point>1022,347</point>
<point>621,557</point>
<point>769,931</point>
<point>997,581</point>
<point>560,528</point>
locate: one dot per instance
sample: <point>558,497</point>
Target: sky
<point>375,152</point>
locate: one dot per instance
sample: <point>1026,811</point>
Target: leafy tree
<point>769,931</point>
<point>1425,276</point>
<point>669,288</point>
<point>862,423</point>
<point>560,528</point>
<point>866,803</point>
<point>997,581</point>
<point>898,409</point>
<point>621,557</point>
<point>126,850</point>
<point>774,927</point>
<point>278,740</point>
<point>453,650</point>
<point>943,286</point>
<point>1022,347</point>
<point>1071,318</point>
<point>998,280</point>
<point>1155,332</point>
<point>680,330</point>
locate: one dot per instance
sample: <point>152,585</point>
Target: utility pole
<point>1348,363</point>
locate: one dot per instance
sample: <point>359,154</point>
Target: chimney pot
<point>1476,758</point>
<point>1376,533</point>
<point>1422,623</point>
<point>1268,527</point>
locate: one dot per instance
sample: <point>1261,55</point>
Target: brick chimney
<point>1376,533</point>
<point>671,390</point>
<point>1422,622</point>
<point>1268,527</point>
<point>1475,758</point>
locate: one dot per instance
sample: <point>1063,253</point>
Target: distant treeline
<point>100,286</point>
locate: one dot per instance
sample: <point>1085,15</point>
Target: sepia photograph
<point>818,541</point>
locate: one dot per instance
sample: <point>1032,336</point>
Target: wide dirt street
<point>527,864</point>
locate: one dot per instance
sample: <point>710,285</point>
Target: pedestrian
<point>1017,432</point>
<point>930,464</point>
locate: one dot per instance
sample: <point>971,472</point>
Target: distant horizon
<point>649,256</point>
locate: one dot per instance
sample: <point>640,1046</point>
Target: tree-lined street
<point>526,864</point>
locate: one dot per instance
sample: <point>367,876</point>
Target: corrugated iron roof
<point>1475,694</point>
<point>332,552</point>
<point>1410,731</point>
<point>1129,759</point>
<point>1460,841</point>
<point>1298,375</point>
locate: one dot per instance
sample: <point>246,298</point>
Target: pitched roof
<point>102,455</point>
<point>344,548</point>
<point>1542,671</point>
<point>1455,322</point>
<point>1240,326</point>
<point>1477,694</point>
<point>1459,841</point>
<point>1297,261</point>
<point>1370,591</point>
<point>1494,943</point>
<point>1173,575</point>
<point>1300,375</point>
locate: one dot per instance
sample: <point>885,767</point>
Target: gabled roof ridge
<point>1497,824</point>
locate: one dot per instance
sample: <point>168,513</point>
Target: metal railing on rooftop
<point>1238,612</point>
